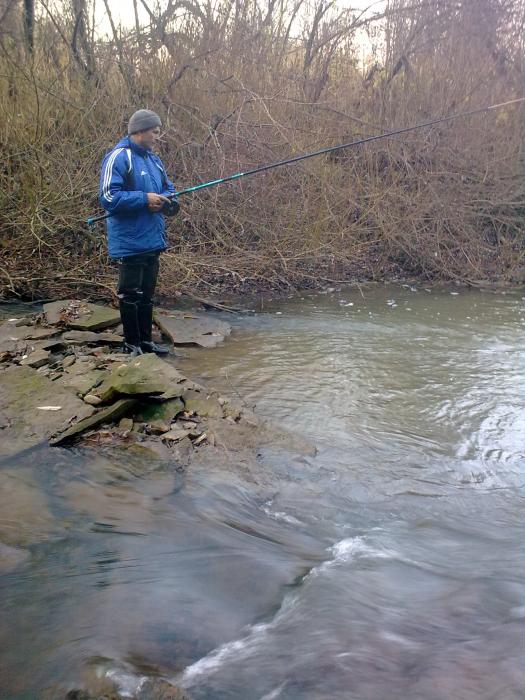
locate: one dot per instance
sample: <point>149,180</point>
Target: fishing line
<point>329,149</point>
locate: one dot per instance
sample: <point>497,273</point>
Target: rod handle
<point>93,219</point>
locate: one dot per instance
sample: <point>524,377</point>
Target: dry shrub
<point>239,84</point>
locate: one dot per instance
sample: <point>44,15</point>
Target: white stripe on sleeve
<point>106,193</point>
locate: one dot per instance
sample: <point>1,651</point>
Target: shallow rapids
<point>389,565</point>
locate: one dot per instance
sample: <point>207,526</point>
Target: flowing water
<point>390,565</point>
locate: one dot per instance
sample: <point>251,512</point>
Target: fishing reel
<point>171,209</point>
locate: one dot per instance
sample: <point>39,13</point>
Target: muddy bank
<point>65,384</point>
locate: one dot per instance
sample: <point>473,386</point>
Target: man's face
<point>148,138</point>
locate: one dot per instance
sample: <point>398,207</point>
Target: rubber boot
<point>145,317</point>
<point>133,350</point>
<point>130,325</point>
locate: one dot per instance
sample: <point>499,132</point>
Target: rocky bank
<point>64,382</point>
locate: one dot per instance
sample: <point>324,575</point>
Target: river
<point>389,565</point>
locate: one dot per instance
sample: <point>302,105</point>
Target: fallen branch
<point>207,303</point>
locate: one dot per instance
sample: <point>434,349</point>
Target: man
<point>134,188</point>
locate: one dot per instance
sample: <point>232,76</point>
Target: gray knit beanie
<point>143,119</point>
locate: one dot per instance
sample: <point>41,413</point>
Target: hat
<point>143,119</point>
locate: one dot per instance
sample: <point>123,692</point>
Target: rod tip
<point>90,221</point>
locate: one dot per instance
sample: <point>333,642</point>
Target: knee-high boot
<point>145,320</point>
<point>129,314</point>
<point>145,317</point>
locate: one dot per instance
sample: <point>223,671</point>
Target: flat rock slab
<point>35,406</point>
<point>175,435</point>
<point>151,689</point>
<point>191,329</point>
<point>158,689</point>
<point>110,414</point>
<point>202,405</point>
<point>37,358</point>
<point>11,331</point>
<point>11,558</point>
<point>165,411</point>
<point>82,383</point>
<point>81,337</point>
<point>15,338</point>
<point>24,514</point>
<point>81,315</point>
<point>146,374</point>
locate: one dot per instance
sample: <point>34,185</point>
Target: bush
<point>253,82</point>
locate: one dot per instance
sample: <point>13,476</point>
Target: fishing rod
<point>329,149</point>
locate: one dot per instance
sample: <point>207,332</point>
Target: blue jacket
<point>128,173</point>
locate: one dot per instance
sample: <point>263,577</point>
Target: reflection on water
<point>390,565</point>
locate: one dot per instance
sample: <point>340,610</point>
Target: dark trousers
<point>136,286</point>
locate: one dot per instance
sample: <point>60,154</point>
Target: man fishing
<point>136,192</point>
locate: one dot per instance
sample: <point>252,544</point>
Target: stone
<point>83,383</point>
<point>110,414</point>
<point>163,410</point>
<point>159,689</point>
<point>54,343</point>
<point>78,694</point>
<point>11,558</point>
<point>81,315</point>
<point>6,357</point>
<point>191,329</point>
<point>36,359</point>
<point>119,506</point>
<point>81,337</point>
<point>24,321</point>
<point>82,365</point>
<point>125,425</point>
<point>121,357</point>
<point>92,400</point>
<point>22,391</point>
<point>175,435</point>
<point>157,427</point>
<point>36,333</point>
<point>182,451</point>
<point>232,409</point>
<point>186,424</point>
<point>202,405</point>
<point>151,689</point>
<point>68,361</point>
<point>146,374</point>
<point>25,517</point>
<point>148,455</point>
<point>99,351</point>
<point>13,338</point>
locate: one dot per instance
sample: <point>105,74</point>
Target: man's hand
<point>156,201</point>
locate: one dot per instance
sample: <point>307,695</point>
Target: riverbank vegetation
<point>240,84</point>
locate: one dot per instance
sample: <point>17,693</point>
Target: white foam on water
<point>239,648</point>
<point>128,684</point>
<point>280,515</point>
<point>216,658</point>
<point>348,549</point>
<point>274,693</point>
<point>342,551</point>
